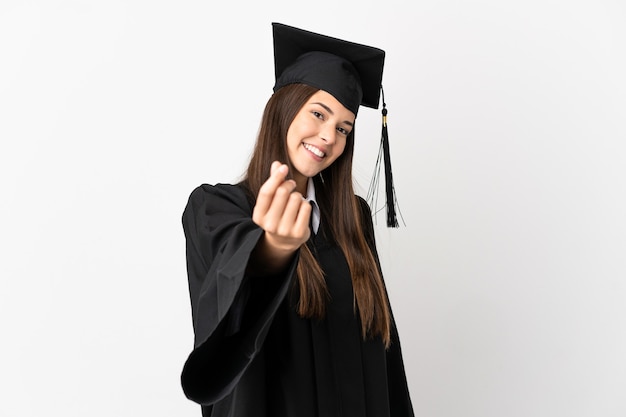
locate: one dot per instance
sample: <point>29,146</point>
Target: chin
<point>307,171</point>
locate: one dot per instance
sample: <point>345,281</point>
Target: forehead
<point>326,99</point>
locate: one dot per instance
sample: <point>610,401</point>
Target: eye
<point>343,131</point>
<point>318,114</point>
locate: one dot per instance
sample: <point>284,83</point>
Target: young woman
<point>290,311</point>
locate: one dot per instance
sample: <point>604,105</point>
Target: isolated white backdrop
<point>508,140</point>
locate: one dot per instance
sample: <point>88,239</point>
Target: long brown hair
<point>341,211</point>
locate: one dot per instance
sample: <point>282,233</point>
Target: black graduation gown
<point>253,355</point>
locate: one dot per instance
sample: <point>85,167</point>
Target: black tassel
<point>390,192</point>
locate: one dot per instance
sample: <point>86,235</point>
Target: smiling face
<point>317,136</point>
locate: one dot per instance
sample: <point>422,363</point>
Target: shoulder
<point>366,221</point>
<point>217,205</point>
<point>220,194</point>
<point>366,212</point>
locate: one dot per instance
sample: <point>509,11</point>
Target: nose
<point>328,133</point>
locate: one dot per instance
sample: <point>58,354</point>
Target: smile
<point>314,150</point>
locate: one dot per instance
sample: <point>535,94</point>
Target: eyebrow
<point>331,112</point>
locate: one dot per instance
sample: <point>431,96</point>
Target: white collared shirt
<point>315,214</point>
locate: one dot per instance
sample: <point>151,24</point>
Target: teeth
<point>314,150</point>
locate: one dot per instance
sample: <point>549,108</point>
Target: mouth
<point>314,150</point>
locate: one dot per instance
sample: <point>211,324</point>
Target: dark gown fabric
<point>253,355</point>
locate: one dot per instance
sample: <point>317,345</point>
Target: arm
<point>231,310</point>
<point>240,262</point>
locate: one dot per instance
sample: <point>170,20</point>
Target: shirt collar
<point>315,214</point>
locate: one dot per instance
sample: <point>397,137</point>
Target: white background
<point>507,127</point>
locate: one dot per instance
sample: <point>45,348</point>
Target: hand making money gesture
<point>284,216</point>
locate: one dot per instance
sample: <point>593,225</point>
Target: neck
<point>301,183</point>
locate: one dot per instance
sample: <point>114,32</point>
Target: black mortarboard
<point>350,72</point>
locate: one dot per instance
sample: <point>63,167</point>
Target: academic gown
<point>253,355</point>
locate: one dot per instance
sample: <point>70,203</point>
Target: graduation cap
<point>350,72</point>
